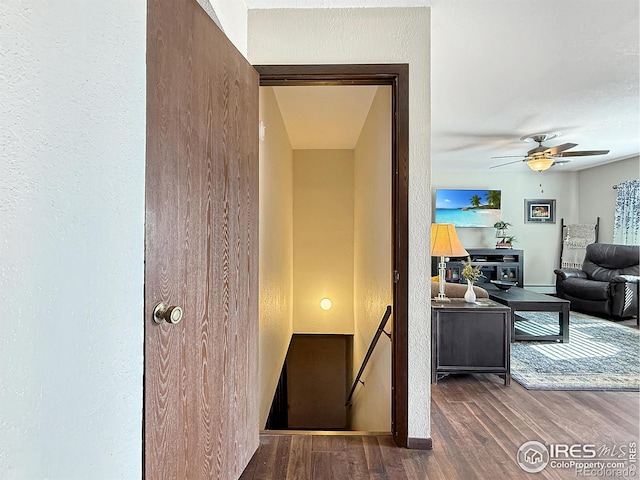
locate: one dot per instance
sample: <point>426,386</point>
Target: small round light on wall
<point>325,304</point>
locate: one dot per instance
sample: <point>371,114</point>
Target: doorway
<point>396,77</point>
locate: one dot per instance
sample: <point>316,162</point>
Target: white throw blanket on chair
<point>575,240</point>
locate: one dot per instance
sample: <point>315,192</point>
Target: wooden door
<point>201,234</point>
<point>318,381</point>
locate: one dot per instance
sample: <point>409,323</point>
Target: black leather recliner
<point>607,285</point>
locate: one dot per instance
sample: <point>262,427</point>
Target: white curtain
<point>626,227</point>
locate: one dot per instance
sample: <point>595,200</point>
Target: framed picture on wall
<point>539,211</point>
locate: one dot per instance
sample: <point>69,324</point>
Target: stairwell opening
<point>326,233</point>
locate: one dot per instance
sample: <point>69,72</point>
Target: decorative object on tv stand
<point>445,243</point>
<point>504,239</point>
<point>470,274</point>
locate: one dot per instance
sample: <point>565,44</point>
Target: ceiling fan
<point>542,158</point>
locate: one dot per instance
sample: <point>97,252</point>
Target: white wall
<point>323,240</point>
<point>72,137</point>
<point>373,288</point>
<point>596,196</point>
<point>276,248</point>
<point>540,242</point>
<point>374,35</point>
<point>231,17</point>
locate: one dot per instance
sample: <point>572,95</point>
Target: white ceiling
<point>324,117</point>
<point>502,69</point>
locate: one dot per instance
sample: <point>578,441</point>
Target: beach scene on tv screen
<point>468,208</point>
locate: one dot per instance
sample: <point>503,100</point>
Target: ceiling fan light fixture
<point>539,164</point>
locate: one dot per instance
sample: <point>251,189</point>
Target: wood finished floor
<point>477,427</point>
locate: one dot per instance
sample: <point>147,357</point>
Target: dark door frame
<point>396,76</point>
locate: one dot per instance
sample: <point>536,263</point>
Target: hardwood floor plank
<point>448,443</point>
<point>272,456</point>
<point>300,458</point>
<point>623,418</point>
<point>417,466</point>
<point>392,457</point>
<point>477,427</point>
<point>260,460</point>
<point>329,466</point>
<point>356,458</point>
<point>374,458</point>
<point>328,443</point>
<point>281,460</point>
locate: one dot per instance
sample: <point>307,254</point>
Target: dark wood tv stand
<point>495,263</point>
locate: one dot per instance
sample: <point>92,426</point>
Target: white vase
<point>470,295</point>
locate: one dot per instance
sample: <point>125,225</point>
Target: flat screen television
<point>467,208</point>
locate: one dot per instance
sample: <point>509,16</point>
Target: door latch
<point>165,313</point>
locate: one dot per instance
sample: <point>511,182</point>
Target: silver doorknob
<point>165,313</point>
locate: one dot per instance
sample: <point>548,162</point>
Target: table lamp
<point>445,243</point>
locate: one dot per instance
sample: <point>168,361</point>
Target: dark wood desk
<point>523,300</point>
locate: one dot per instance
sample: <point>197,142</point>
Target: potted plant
<point>471,275</point>
<point>504,240</point>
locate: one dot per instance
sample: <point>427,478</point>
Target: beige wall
<point>276,248</point>
<point>596,196</point>
<point>540,242</point>
<point>373,286</point>
<point>323,240</point>
<point>375,35</point>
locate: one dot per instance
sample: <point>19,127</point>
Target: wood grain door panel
<point>201,250</point>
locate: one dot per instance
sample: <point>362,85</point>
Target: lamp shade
<point>445,241</point>
<point>538,164</point>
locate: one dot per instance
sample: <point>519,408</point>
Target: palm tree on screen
<point>493,198</point>
<point>475,201</point>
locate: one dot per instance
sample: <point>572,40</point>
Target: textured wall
<point>580,197</point>
<point>373,288</point>
<point>540,241</point>
<point>276,248</point>
<point>388,35</point>
<point>322,240</point>
<point>232,18</point>
<point>72,137</point>
<point>596,197</point>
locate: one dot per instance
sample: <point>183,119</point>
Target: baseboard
<point>420,443</point>
<point>546,289</point>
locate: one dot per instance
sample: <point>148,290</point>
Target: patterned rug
<point>600,355</point>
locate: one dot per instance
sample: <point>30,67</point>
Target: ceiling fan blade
<point>584,153</point>
<point>511,156</point>
<point>560,162</point>
<point>560,148</point>
<point>508,163</point>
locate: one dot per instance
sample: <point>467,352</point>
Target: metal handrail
<point>383,323</point>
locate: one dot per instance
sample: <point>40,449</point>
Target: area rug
<point>600,355</point>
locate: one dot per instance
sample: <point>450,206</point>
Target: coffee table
<point>523,300</point>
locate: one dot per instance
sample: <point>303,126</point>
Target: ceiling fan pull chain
<point>541,188</point>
